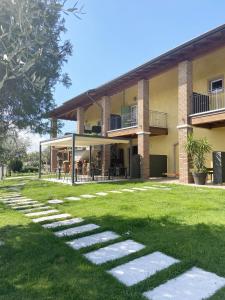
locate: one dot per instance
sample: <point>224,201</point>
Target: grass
<point>187,223</point>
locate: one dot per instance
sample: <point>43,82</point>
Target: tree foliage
<point>13,147</point>
<point>32,54</point>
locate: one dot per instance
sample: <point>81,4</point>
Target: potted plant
<point>197,150</point>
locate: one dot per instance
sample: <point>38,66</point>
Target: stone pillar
<point>80,120</point>
<point>53,135</point>
<point>143,127</point>
<point>184,108</point>
<point>106,110</point>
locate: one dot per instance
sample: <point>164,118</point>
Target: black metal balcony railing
<point>156,119</point>
<point>205,103</point>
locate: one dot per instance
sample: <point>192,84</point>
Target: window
<point>216,85</point>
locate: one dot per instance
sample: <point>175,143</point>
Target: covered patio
<point>79,159</point>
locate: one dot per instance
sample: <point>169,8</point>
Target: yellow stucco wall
<point>126,98</point>
<point>163,97</point>
<point>92,115</point>
<point>206,68</point>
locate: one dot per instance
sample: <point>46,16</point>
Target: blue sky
<point>115,36</point>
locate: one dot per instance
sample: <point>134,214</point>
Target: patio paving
<point>113,251</point>
<point>141,268</point>
<point>93,239</point>
<point>54,217</point>
<point>76,230</point>
<point>195,284</point>
<point>63,223</point>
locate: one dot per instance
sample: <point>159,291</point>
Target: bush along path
<point>194,284</point>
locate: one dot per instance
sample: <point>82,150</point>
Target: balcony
<point>208,110</point>
<point>126,124</point>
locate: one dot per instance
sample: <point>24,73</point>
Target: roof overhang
<point>190,50</point>
<point>83,141</point>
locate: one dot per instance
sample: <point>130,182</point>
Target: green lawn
<point>187,223</point>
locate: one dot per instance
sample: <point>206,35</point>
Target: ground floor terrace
<point>127,240</point>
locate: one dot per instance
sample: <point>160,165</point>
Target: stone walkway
<point>194,284</point>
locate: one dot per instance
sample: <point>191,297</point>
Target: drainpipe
<point>174,157</point>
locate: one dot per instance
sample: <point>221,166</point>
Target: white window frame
<point>217,90</point>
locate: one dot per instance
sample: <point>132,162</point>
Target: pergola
<point>78,140</point>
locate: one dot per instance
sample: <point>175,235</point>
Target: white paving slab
<point>73,198</point>
<point>76,230</point>
<point>18,201</point>
<point>2,243</point>
<point>41,213</point>
<point>101,194</point>
<point>35,209</point>
<point>23,203</point>
<point>139,189</point>
<point>150,187</point>
<point>87,196</point>
<point>93,239</point>
<point>63,223</point>
<point>26,206</point>
<point>195,284</point>
<point>114,251</point>
<point>54,217</point>
<point>116,192</point>
<point>128,190</point>
<point>55,201</point>
<point>141,268</point>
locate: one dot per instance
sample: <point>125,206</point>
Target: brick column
<point>80,120</point>
<point>184,109</point>
<point>143,127</point>
<point>53,134</point>
<point>106,110</point>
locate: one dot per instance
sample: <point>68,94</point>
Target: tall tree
<point>32,54</point>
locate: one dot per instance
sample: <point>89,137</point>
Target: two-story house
<point>156,105</point>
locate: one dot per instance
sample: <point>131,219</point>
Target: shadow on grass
<point>35,264</point>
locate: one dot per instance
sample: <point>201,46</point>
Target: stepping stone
<point>115,192</point>
<point>55,201</point>
<point>2,243</point>
<point>18,201</point>
<point>128,190</point>
<point>114,251</point>
<point>195,284</point>
<point>76,230</point>
<point>54,217</point>
<point>141,268</point>
<point>63,223</point>
<point>101,194</point>
<point>26,206</point>
<point>93,239</point>
<point>151,187</point>
<point>73,198</point>
<point>14,199</point>
<point>34,209</point>
<point>22,203</point>
<point>139,189</point>
<point>87,196</point>
<point>41,213</point>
